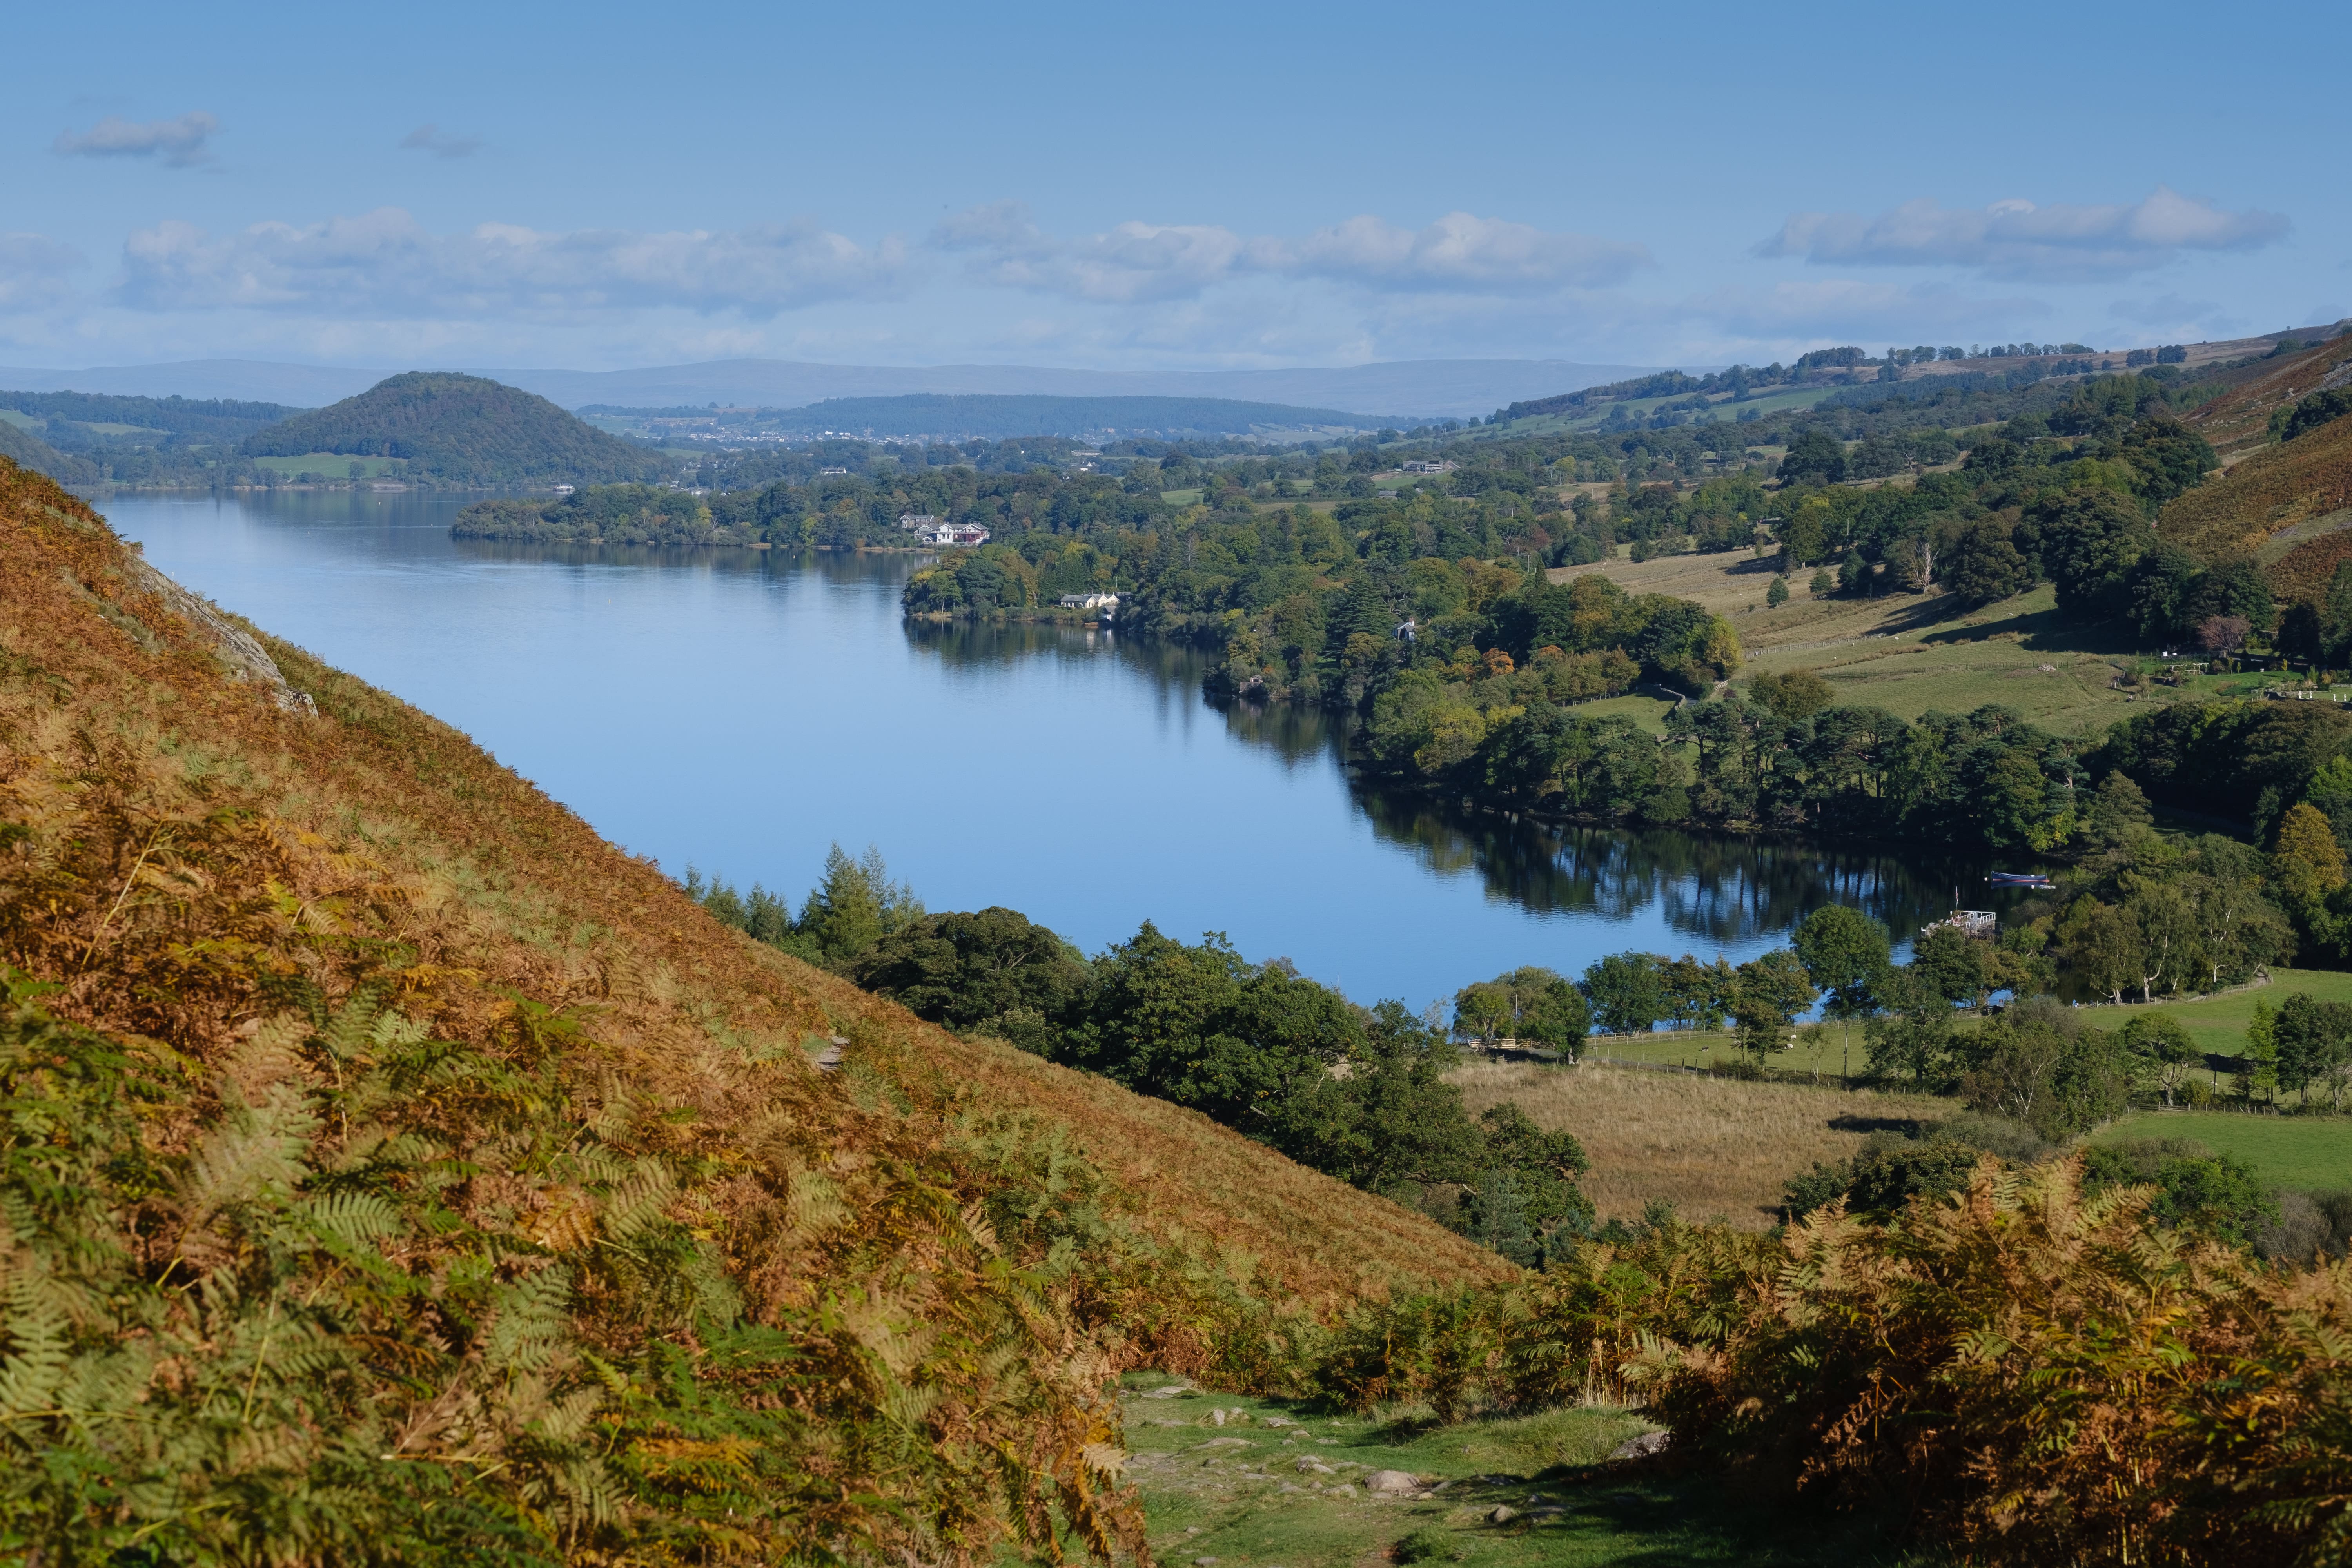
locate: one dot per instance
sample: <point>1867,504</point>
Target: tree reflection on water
<point>1716,889</point>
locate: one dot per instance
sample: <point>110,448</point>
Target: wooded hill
<point>453,429</point>
<point>394,1171</point>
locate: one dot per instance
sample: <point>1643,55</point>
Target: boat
<point>2019,880</point>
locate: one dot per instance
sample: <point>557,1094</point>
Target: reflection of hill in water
<point>1718,888</point>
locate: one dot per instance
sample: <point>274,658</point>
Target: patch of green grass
<point>1280,1485</point>
<point>1649,713</point>
<point>1182,497</point>
<point>2313,1153</point>
<point>2217,1023</point>
<point>335,464</point>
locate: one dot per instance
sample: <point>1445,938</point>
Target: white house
<point>964,533</point>
<point>1424,466</point>
<point>913,519</point>
<point>1107,603</point>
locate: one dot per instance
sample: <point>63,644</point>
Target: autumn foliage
<point>392,1170</point>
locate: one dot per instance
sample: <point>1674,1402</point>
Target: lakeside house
<point>915,519</point>
<point>962,534</point>
<point>1105,603</point>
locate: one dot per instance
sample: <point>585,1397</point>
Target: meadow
<point>2307,1153</point>
<point>1259,1483</point>
<point>1714,1147</point>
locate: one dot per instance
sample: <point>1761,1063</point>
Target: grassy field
<point>2217,1023</point>
<point>1247,1483</point>
<point>1649,713</point>
<point>1903,652</point>
<point>335,464</point>
<point>1714,1147</point>
<point>2311,1153</point>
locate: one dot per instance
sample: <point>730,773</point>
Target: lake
<point>741,710</point>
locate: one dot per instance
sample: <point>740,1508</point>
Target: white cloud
<point>384,263</point>
<point>33,271</point>
<point>428,138</point>
<point>1134,261</point>
<point>179,142</point>
<point>2016,238</point>
<point>1458,252</point>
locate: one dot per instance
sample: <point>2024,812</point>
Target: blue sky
<point>1209,185</point>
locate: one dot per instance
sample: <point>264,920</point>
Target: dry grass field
<point>1714,1147</point>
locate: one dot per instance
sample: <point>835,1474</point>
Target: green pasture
<point>1182,497</point>
<point>335,464</point>
<point>1281,1485</point>
<point>1649,713</point>
<point>2313,1153</point>
<point>2217,1023</point>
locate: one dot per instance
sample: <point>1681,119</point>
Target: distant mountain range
<point>1407,389</point>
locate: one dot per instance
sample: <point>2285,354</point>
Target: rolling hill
<point>397,1172</point>
<point>460,430</point>
<point>2289,503</point>
<point>21,447</point>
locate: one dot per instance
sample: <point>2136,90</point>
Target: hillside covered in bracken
<point>392,1170</point>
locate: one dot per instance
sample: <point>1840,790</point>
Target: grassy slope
<point>1234,1493</point>
<point>1714,1147</point>
<point>185,862</point>
<point>2312,1155</point>
<point>1901,652</point>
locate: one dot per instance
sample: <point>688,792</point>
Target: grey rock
<point>1392,1481</point>
<point>1640,1447</point>
<point>1501,1514</point>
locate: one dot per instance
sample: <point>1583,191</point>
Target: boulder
<point>1640,1447</point>
<point>1391,1482</point>
<point>1502,1514</point>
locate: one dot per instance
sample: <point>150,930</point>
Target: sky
<point>1209,185</point>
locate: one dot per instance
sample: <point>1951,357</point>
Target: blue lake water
<point>741,710</point>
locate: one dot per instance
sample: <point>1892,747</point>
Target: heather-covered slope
<point>393,1171</point>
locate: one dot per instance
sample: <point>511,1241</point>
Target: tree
<point>1821,584</point>
<point>1792,694</point>
<point>2088,541</point>
<point>2119,812</point>
<point>2313,1039</point>
<point>2307,864</point>
<point>855,906</point>
<point>1625,992</point>
<point>2259,1077</point>
<point>2222,635</point>
<point>1768,993</point>
<point>1846,954</point>
<point>1814,456</point>
<point>965,970</point>
<point>2163,1048</point>
<point>1536,1005</point>
<point>1953,965</point>
<point>1984,566</point>
<point>1777,593</point>
<point>2102,946</point>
